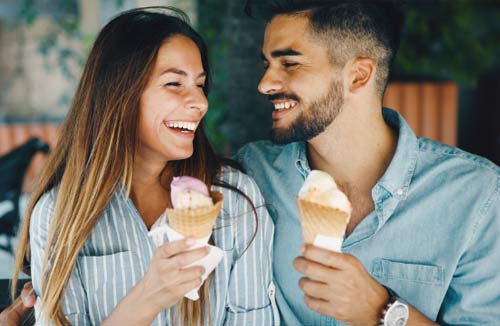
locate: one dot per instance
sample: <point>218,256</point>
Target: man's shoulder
<point>458,160</point>
<point>258,152</point>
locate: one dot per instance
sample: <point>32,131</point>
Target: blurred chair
<point>13,167</point>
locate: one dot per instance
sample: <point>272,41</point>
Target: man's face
<point>301,82</point>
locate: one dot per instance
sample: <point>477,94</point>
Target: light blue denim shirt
<point>433,238</point>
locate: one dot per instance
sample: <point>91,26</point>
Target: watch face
<point>397,315</point>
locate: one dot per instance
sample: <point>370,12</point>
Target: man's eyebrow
<point>181,72</point>
<point>282,53</point>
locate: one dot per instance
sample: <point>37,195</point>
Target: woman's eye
<point>175,84</point>
<point>201,85</point>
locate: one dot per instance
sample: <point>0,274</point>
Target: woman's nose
<point>197,100</point>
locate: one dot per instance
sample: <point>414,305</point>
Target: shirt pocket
<point>106,280</point>
<point>421,285</point>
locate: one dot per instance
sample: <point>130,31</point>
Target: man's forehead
<point>286,31</point>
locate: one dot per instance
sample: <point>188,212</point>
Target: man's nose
<point>270,83</point>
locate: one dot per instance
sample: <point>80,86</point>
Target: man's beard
<point>314,118</point>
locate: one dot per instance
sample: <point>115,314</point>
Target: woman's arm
<point>251,289</point>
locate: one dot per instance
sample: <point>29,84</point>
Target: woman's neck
<point>147,192</point>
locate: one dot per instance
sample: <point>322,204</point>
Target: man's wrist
<point>395,312</point>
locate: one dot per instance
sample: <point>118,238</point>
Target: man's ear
<point>361,71</point>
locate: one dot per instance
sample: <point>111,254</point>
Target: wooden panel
<point>430,126</point>
<point>5,140</point>
<point>410,101</point>
<point>392,97</point>
<point>431,109</point>
<point>449,119</point>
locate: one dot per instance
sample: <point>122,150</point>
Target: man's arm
<point>20,308</point>
<point>339,286</point>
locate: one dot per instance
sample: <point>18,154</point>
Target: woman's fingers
<point>173,248</point>
<point>188,257</point>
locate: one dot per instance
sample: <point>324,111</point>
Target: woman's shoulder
<point>238,188</point>
<point>48,198</point>
<point>235,177</point>
<point>45,205</point>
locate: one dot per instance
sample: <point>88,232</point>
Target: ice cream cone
<point>319,219</point>
<point>198,222</point>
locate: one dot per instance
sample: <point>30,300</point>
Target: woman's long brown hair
<point>95,152</point>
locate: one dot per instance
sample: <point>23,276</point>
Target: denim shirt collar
<point>396,179</point>
<point>394,184</point>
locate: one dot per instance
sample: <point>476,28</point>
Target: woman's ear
<point>361,71</point>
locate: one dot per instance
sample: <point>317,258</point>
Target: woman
<point>135,122</point>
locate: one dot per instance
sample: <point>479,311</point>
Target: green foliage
<point>211,27</point>
<point>64,14</point>
<point>455,40</point>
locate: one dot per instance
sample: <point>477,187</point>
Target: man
<point>424,235</point>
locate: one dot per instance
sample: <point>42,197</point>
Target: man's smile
<point>282,108</point>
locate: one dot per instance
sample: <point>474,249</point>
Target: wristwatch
<point>396,313</point>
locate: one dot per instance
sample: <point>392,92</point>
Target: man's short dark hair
<point>348,28</point>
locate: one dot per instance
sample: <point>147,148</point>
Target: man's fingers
<point>328,258</point>
<point>317,305</point>
<point>313,270</point>
<point>314,289</point>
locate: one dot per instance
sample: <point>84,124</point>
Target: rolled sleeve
<point>251,289</point>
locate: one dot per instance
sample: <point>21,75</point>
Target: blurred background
<point>445,81</point>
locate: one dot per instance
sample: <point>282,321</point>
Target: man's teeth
<point>191,126</point>
<point>284,105</point>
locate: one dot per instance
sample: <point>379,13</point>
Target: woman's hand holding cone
<point>164,284</point>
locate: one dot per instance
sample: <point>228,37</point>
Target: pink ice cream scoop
<point>189,192</point>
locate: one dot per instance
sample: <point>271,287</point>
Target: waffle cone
<point>319,219</point>
<point>197,222</point>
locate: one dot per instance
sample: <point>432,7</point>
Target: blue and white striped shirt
<point>118,252</point>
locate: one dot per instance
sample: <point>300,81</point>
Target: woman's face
<point>173,103</point>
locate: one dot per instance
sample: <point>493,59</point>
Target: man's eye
<point>174,84</point>
<point>289,64</point>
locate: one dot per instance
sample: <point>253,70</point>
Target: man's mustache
<point>282,96</point>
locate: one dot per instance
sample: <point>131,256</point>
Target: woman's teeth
<point>189,126</point>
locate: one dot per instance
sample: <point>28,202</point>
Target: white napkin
<point>328,243</point>
<point>209,262</point>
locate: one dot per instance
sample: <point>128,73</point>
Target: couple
<point>422,245</point>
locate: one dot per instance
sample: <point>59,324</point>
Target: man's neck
<point>355,149</point>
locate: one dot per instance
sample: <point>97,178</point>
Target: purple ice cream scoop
<point>184,186</point>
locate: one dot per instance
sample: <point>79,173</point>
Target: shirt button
<point>399,192</point>
<point>271,292</point>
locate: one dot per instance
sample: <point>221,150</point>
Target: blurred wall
<point>43,47</point>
